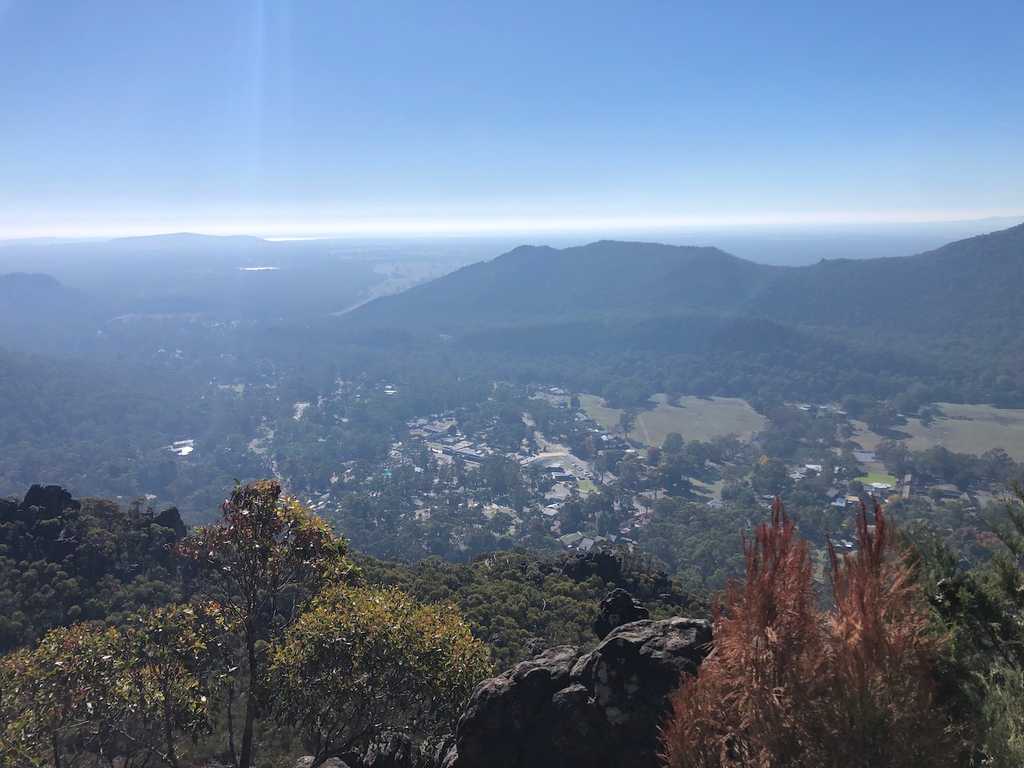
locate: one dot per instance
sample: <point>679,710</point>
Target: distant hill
<point>177,242</point>
<point>947,323</point>
<point>531,284</point>
<point>24,288</point>
<point>40,313</point>
<point>972,285</point>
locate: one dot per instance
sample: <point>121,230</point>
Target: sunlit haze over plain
<point>288,119</point>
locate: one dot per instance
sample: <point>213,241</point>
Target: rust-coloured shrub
<point>881,708</point>
<point>790,685</point>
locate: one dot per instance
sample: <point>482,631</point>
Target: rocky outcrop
<point>568,709</point>
<point>47,505</point>
<point>607,566</point>
<point>51,499</point>
<point>171,518</point>
<point>618,608</point>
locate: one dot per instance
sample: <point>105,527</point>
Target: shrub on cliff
<point>789,684</point>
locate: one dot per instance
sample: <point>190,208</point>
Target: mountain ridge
<point>611,278</point>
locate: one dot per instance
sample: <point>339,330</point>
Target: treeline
<point>964,470</point>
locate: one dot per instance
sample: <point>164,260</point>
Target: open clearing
<point>877,477</point>
<point>714,490</point>
<point>695,418</point>
<point>971,429</point>
<point>962,429</point>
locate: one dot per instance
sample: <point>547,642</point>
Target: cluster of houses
<point>442,436</point>
<point>577,541</point>
<point>800,473</point>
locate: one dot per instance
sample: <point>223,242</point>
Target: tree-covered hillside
<point>943,324</point>
<point>531,285</point>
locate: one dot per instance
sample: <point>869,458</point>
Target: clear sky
<point>311,117</point>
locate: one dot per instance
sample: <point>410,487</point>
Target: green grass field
<point>877,477</point>
<point>587,487</point>
<point>694,418</point>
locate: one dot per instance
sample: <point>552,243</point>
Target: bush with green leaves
<point>94,693</point>
<point>365,661</point>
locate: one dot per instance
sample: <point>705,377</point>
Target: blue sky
<point>330,117</point>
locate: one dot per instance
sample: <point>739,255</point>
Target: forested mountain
<point>969,286</point>
<point>530,285</point>
<point>608,278</point>
<point>943,324</point>
<point>223,277</point>
<point>25,287</point>
<point>38,310</point>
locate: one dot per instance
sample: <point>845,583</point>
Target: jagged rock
<point>40,503</point>
<point>567,709</point>
<point>618,608</point>
<point>171,518</point>
<point>51,498</point>
<point>605,565</point>
<point>504,709</point>
<point>610,568</point>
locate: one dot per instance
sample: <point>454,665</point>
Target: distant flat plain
<point>961,428</point>
<point>695,418</point>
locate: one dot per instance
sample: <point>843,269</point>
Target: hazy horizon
<point>785,245</point>
<point>287,119</point>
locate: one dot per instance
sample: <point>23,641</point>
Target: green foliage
<point>520,603</point>
<point>699,545</point>
<point>363,661</point>
<point>265,559</point>
<point>177,660</point>
<point>85,691</point>
<point>266,555</point>
<point>1003,714</point>
<point>982,612</point>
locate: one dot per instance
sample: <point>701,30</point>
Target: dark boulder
<point>567,709</point>
<point>504,708</point>
<point>171,518</point>
<point>618,608</point>
<point>51,499</point>
<point>607,566</point>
